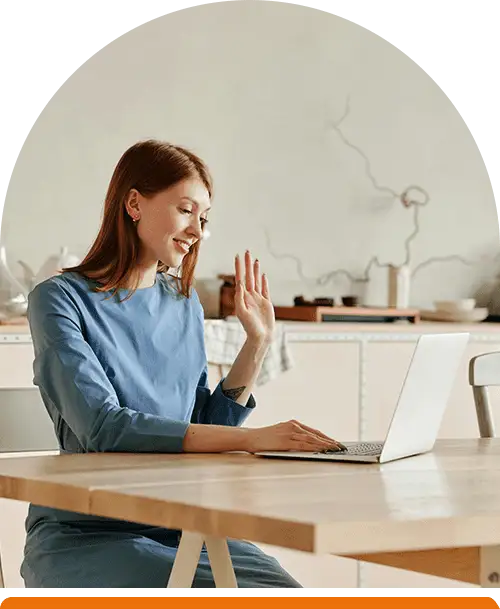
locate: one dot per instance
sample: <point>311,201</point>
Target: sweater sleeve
<point>217,409</point>
<point>214,408</point>
<point>74,384</point>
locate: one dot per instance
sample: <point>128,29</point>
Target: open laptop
<point>421,405</point>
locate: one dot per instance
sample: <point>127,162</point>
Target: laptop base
<point>314,456</point>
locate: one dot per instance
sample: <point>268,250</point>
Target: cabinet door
<point>321,390</point>
<point>16,365</point>
<point>316,571</point>
<point>12,537</point>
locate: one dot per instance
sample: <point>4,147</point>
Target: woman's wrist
<point>260,340</point>
<point>217,438</point>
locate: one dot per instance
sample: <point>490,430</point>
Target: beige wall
<point>253,87</point>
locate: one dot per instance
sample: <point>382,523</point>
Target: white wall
<point>252,87</point>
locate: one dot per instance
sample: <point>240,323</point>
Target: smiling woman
<point>121,366</point>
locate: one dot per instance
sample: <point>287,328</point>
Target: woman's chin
<point>172,260</point>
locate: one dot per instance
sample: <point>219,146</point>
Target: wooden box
<point>346,314</point>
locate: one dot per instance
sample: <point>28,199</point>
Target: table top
<point>447,498</point>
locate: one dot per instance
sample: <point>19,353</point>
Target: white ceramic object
<point>52,266</point>
<point>399,287</point>
<point>13,295</point>
<point>456,306</point>
<point>474,316</point>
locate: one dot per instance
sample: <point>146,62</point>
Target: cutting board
<point>346,314</point>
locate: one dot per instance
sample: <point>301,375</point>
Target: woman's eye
<point>189,212</point>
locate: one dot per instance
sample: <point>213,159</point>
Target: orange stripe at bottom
<point>249,602</point>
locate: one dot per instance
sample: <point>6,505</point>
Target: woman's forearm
<point>290,435</point>
<point>240,380</point>
<point>215,439</point>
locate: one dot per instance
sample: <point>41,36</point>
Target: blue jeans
<point>102,553</point>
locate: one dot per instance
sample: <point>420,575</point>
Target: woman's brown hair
<point>149,167</point>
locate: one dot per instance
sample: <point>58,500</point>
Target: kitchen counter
<point>384,332</point>
<point>299,331</point>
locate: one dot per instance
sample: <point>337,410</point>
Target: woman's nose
<point>195,228</point>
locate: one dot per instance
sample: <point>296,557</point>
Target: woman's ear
<point>132,205</point>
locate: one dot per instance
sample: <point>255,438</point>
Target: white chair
<point>484,372</point>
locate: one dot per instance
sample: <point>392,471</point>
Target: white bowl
<point>455,306</point>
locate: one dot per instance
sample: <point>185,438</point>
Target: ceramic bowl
<point>455,306</point>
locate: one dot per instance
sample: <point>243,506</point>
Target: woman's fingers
<point>309,444</point>
<point>254,279</point>
<point>237,269</point>
<point>318,433</point>
<point>239,291</point>
<point>319,442</point>
<point>249,278</point>
<point>265,287</point>
<point>256,276</point>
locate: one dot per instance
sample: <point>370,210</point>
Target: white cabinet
<point>16,365</point>
<point>320,391</point>
<point>12,536</point>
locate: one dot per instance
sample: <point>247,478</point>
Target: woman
<point>121,366</point>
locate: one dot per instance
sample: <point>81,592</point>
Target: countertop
<point>298,331</point>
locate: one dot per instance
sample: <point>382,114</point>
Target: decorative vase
<point>208,291</point>
<point>13,296</point>
<point>399,287</point>
<point>227,294</point>
<point>52,266</point>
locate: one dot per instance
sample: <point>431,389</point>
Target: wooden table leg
<point>220,561</point>
<point>188,556</point>
<point>186,560</point>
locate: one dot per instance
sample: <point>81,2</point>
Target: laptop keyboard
<point>362,448</point>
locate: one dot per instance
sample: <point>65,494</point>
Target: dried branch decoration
<point>413,196</point>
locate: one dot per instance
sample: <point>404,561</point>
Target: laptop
<point>418,414</point>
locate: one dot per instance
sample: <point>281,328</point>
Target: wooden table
<point>437,513</point>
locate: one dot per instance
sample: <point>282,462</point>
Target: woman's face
<point>170,222</point>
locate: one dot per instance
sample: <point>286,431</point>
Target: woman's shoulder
<point>58,290</point>
<point>66,280</point>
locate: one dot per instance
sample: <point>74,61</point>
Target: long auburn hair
<point>148,166</point>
